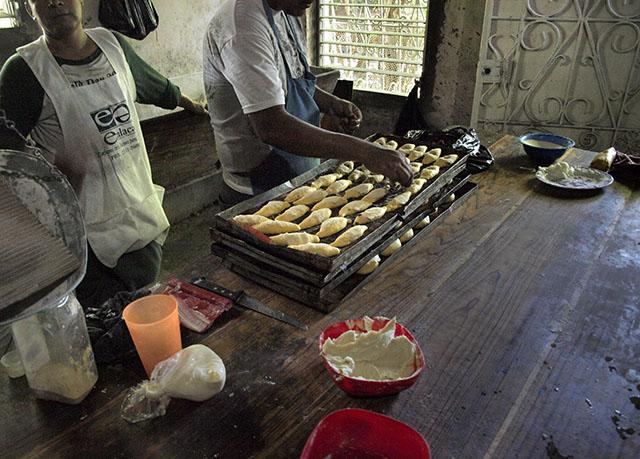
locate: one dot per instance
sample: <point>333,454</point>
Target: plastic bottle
<point>56,352</point>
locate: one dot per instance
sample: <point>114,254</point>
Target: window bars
<point>378,44</point>
<point>9,14</point>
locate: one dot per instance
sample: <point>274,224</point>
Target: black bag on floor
<point>133,18</point>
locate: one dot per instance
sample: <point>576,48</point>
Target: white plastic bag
<point>195,373</point>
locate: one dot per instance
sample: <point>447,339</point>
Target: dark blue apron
<point>280,165</point>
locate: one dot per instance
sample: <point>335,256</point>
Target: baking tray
<point>226,231</point>
<point>326,298</point>
<point>320,279</point>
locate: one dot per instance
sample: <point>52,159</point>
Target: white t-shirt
<point>244,73</point>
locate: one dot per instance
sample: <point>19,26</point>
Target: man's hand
<point>390,163</point>
<point>276,127</point>
<point>343,116</point>
<point>197,107</point>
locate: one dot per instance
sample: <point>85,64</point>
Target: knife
<point>248,302</point>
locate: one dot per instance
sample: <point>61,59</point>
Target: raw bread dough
<point>332,226</point>
<point>273,208</point>
<point>350,236</point>
<point>407,147</point>
<point>422,223</point>
<point>276,227</point>
<point>315,218</point>
<point>358,191</point>
<point>374,178</point>
<point>372,355</point>
<point>325,180</point>
<point>338,186</point>
<point>292,213</point>
<point>392,248</point>
<point>406,236</point>
<point>446,161</point>
<point>249,220</point>
<point>354,207</point>
<point>375,195</point>
<point>294,238</point>
<point>371,214</point>
<point>312,197</point>
<point>416,185</point>
<point>415,167</point>
<point>369,266</point>
<point>345,168</point>
<point>317,248</point>
<point>298,193</point>
<point>330,202</point>
<point>399,201</point>
<point>429,172</point>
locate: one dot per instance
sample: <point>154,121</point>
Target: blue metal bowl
<point>544,148</point>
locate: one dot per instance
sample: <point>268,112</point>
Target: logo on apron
<point>114,121</point>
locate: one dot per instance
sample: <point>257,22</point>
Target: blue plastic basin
<point>545,148</point>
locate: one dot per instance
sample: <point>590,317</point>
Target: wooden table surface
<point>526,303</point>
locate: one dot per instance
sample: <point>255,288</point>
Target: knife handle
<point>215,288</point>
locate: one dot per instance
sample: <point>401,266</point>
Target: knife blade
<point>244,300</point>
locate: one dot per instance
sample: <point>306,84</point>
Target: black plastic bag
<point>410,117</point>
<point>133,18</point>
<point>108,333</point>
<point>460,138</point>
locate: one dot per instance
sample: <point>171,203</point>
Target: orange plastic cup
<point>155,328</point>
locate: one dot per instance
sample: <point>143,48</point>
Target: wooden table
<point>527,305</point>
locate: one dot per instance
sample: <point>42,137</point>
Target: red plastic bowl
<point>355,434</point>
<point>357,387</point>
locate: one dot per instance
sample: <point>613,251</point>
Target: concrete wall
<point>174,49</point>
<point>453,42</point>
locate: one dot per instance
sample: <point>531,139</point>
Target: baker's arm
<point>278,128</point>
<point>21,97</point>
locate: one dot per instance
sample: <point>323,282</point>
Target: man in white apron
<point>92,134</point>
<point>265,106</point>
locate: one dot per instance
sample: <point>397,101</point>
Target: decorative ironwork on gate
<point>570,67</point>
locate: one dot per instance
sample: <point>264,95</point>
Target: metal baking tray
<point>228,233</point>
<point>302,271</point>
<point>326,297</point>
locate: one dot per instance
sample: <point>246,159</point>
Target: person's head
<point>58,18</point>
<point>292,7</point>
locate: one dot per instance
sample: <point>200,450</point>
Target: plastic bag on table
<point>133,18</point>
<point>463,139</point>
<point>109,335</point>
<point>195,373</point>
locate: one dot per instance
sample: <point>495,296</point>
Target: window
<point>9,18</point>
<point>378,44</point>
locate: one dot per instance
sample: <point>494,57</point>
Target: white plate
<point>584,178</point>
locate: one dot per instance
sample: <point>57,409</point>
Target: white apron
<point>104,156</point>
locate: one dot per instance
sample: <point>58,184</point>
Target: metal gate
<point>570,67</point>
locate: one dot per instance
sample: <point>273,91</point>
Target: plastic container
<point>357,387</point>
<point>12,364</point>
<point>56,353</point>
<point>154,325</point>
<point>353,434</point>
<point>545,148</point>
